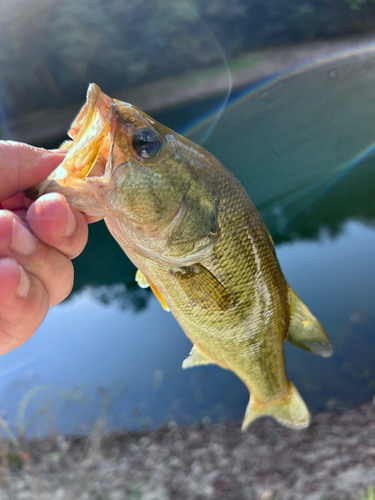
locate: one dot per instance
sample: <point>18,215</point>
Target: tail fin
<point>290,411</point>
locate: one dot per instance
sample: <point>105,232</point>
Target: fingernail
<point>24,285</point>
<point>71,223</point>
<point>23,241</point>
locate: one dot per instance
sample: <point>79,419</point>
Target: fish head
<point>121,163</point>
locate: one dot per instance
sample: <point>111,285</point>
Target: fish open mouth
<point>90,132</point>
<point>89,149</point>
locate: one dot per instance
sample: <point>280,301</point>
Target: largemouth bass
<point>198,241</point>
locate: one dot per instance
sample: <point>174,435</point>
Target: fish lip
<point>90,130</point>
<point>94,124</point>
<point>92,93</point>
<point>78,123</point>
<point>82,120</point>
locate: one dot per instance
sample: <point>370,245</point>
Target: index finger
<point>23,166</point>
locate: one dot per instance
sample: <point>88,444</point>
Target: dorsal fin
<point>305,331</point>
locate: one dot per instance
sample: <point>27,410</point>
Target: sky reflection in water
<point>95,357</point>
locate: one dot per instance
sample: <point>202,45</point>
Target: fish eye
<point>146,143</point>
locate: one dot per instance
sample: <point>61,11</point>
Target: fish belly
<point>245,331</point>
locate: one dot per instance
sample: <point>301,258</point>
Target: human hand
<point>37,242</point>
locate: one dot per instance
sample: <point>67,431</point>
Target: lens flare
<point>291,137</point>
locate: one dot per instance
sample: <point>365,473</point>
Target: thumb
<point>23,166</point>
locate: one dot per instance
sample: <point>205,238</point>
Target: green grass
<point>370,495</point>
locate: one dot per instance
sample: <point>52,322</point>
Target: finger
<point>24,304</point>
<point>14,234</point>
<point>49,265</point>
<point>57,224</point>
<point>16,202</point>
<point>23,166</point>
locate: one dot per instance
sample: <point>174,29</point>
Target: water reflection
<point>337,276</point>
<point>135,360</point>
<point>350,199</point>
<point>293,136</point>
<point>109,275</point>
<point>91,360</point>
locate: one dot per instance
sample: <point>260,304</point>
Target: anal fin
<point>305,331</point>
<point>196,358</point>
<point>144,282</point>
<point>159,296</point>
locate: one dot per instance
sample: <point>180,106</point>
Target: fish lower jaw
<point>85,195</point>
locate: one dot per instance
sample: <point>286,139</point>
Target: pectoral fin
<point>305,331</point>
<point>143,282</point>
<point>141,279</point>
<point>196,358</point>
<point>202,288</point>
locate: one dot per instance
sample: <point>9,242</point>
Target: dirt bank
<point>334,459</point>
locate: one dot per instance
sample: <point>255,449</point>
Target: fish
<point>198,242</point>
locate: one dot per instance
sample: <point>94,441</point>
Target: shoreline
<point>172,92</point>
<point>334,458</point>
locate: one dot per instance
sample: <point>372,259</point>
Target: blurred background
<point>283,94</point>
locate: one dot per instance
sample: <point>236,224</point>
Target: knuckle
<point>48,218</point>
<point>61,283</point>
<point>53,269</point>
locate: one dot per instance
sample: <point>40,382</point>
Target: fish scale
<point>196,238</point>
<point>227,337</point>
<point>234,263</point>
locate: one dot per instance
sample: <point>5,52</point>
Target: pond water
<point>301,145</point>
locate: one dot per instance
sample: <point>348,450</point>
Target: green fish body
<point>192,231</point>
